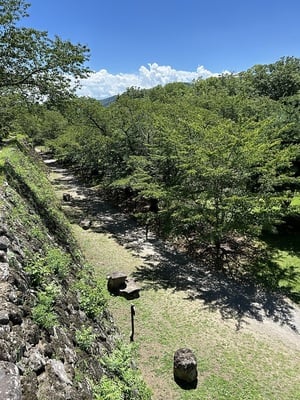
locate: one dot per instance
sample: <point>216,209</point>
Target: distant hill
<point>106,102</point>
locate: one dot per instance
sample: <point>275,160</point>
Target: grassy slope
<point>232,364</point>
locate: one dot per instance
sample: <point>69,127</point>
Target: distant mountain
<point>106,102</point>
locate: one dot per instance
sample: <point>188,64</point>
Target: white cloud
<point>103,84</point>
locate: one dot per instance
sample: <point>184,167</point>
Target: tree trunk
<point>218,254</point>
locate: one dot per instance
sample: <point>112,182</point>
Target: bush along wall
<point>56,334</point>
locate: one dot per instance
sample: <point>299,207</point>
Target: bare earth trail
<point>242,309</point>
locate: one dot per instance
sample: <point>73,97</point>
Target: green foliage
<point>21,215</point>
<point>66,146</point>
<point>280,267</point>
<point>278,80</point>
<point>84,338</point>
<point>55,263</point>
<point>58,261</point>
<point>91,292</point>
<point>11,111</point>
<point>12,11</point>
<point>42,124</point>
<point>25,173</point>
<point>296,201</point>
<point>31,62</point>
<point>39,271</point>
<point>109,389</point>
<point>34,67</point>
<point>122,379</point>
<point>216,157</point>
<point>43,313</point>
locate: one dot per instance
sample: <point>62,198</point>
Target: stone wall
<point>36,362</point>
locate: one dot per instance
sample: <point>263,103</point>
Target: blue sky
<point>143,43</point>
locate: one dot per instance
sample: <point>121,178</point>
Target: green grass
<point>5,153</point>
<point>25,174</point>
<point>296,200</point>
<point>289,262</point>
<point>285,257</point>
<point>113,258</point>
<point>245,364</point>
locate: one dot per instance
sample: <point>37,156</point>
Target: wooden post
<point>132,309</point>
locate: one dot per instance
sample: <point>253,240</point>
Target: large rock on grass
<point>185,367</point>
<point>116,281</point>
<point>131,290</point>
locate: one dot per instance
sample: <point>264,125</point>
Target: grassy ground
<point>245,364</point>
<point>296,200</point>
<point>259,361</point>
<point>287,256</point>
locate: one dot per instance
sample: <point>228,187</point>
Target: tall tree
<point>228,182</point>
<point>31,62</point>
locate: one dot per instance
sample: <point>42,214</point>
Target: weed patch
<point>85,337</point>
<point>91,293</point>
<point>43,312</point>
<point>123,381</point>
<point>55,263</point>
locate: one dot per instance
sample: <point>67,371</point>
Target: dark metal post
<point>132,309</point>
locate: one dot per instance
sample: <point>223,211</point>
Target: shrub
<point>43,313</point>
<point>38,271</point>
<point>58,261</point>
<point>55,262</point>
<point>118,365</point>
<point>92,299</point>
<point>85,337</point>
<point>109,389</point>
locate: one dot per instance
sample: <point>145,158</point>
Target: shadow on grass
<point>236,297</point>
<point>186,385</point>
<point>284,241</point>
<point>271,276</point>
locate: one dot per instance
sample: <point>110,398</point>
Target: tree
<point>277,81</point>
<point>87,112</point>
<point>34,64</point>
<point>11,106</point>
<point>41,124</point>
<point>228,181</point>
<point>201,163</point>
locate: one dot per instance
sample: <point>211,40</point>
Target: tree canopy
<point>201,162</point>
<point>31,62</point>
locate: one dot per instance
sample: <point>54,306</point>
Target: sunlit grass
<point>231,364</point>
<point>296,200</point>
<point>5,153</point>
<point>289,262</point>
<point>104,252</point>
<point>285,250</point>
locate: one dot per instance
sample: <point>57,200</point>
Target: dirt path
<point>165,268</point>
<point>237,307</point>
